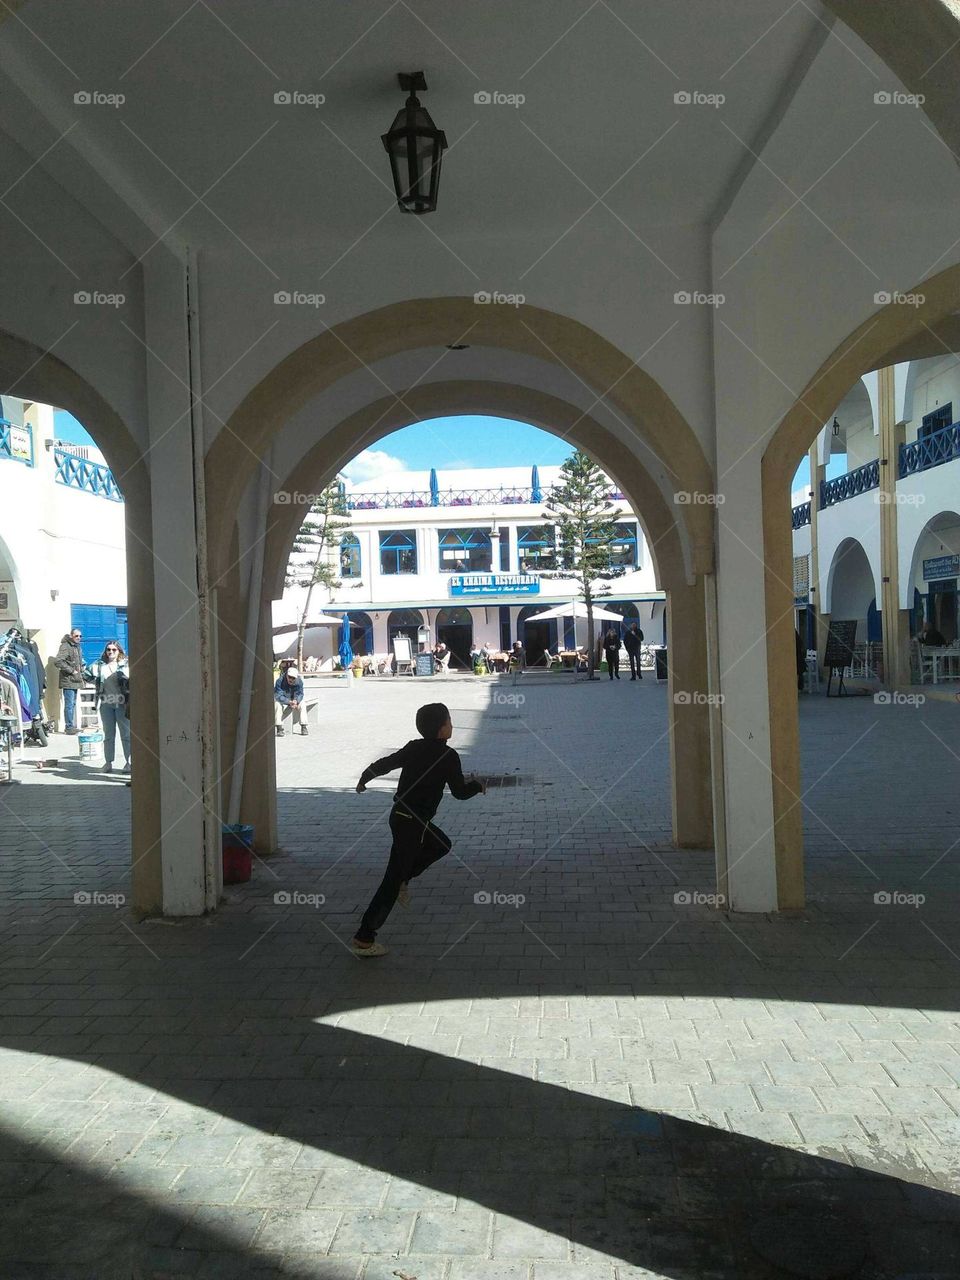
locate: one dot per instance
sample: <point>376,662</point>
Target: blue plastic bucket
<point>90,745</point>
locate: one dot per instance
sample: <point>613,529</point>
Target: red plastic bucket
<point>237,849</point>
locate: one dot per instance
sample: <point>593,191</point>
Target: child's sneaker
<point>368,948</point>
<point>403,897</point>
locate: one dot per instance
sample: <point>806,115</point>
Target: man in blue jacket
<point>288,697</point>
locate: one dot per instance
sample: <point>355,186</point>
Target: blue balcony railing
<point>801,515</point>
<point>860,480</point>
<point>90,477</point>
<point>451,498</point>
<point>932,451</point>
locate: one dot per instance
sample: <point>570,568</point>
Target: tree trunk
<point>591,636</point>
<point>302,625</point>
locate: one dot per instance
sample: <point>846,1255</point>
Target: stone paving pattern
<point>604,1081</point>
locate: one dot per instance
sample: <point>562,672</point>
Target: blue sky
<point>453,444</point>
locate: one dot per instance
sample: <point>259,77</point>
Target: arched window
<point>465,551</point>
<point>398,551</point>
<point>349,556</point>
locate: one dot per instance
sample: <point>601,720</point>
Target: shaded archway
<point>691,779</point>
<point>932,580</point>
<point>867,347</point>
<point>429,323</point>
<point>454,627</point>
<point>850,586</point>
<point>537,638</point>
<point>29,372</point>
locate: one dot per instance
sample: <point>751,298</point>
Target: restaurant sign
<point>941,567</point>
<point>494,584</point>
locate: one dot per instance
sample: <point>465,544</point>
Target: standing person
<point>426,765</point>
<point>288,700</point>
<point>111,676</point>
<point>611,648</point>
<point>69,662</point>
<point>632,642</point>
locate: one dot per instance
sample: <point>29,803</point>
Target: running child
<point>426,765</point>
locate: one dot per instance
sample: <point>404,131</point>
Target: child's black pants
<point>416,844</point>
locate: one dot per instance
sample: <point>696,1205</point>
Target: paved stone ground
<point>600,1082</point>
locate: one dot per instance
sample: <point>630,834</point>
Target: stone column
<point>186,759</point>
<point>689,718</point>
<point>821,620</point>
<point>896,626</point>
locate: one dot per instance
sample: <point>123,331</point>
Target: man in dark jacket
<point>632,641</point>
<point>69,662</point>
<point>288,697</point>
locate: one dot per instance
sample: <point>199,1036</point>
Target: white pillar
<point>187,766</point>
<point>747,809</point>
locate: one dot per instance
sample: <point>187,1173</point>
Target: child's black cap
<point>431,718</point>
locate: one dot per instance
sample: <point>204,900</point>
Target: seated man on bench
<point>288,700</point>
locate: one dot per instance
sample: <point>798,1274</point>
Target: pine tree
<point>317,537</point>
<point>586,522</point>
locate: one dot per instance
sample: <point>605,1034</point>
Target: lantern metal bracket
<point>412,81</point>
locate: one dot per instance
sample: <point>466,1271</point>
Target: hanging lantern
<point>415,147</point>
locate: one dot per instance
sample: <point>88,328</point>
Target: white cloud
<point>370,464</point>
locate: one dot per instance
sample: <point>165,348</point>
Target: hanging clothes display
<point>20,664</point>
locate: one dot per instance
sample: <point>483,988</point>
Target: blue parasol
<point>434,488</point>
<point>345,651</point>
<point>537,494</point>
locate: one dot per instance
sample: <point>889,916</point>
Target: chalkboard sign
<point>840,641</point>
<point>424,664</point>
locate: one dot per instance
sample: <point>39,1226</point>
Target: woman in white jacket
<point>112,677</point>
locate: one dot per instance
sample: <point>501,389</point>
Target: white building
<point>469,556</point>
<point>850,539</point>
<point>62,561</point>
